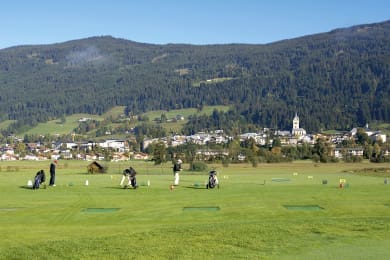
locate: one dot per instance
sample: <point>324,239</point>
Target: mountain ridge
<point>344,73</point>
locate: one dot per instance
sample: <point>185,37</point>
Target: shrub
<point>198,166</point>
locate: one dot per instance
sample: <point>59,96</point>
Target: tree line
<point>249,152</point>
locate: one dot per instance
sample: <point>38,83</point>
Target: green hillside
<point>70,123</point>
<point>334,80</point>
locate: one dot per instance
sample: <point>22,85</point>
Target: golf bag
<point>130,175</point>
<point>213,180</point>
<point>39,179</point>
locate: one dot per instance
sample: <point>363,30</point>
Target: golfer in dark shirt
<point>53,173</point>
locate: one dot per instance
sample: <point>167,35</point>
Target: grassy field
<point>274,211</point>
<point>56,127</point>
<point>176,126</point>
<point>5,124</point>
<point>207,110</point>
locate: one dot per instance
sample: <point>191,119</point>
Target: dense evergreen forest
<point>334,80</point>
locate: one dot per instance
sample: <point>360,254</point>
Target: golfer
<point>129,174</point>
<point>176,169</point>
<point>53,173</point>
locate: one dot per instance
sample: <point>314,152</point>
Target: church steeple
<point>296,121</point>
<point>296,131</point>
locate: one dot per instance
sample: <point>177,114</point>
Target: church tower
<point>296,131</point>
<point>296,122</point>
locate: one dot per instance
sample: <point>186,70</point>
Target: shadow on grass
<point>25,187</point>
<point>42,187</point>
<point>207,208</point>
<point>30,188</point>
<point>195,187</point>
<point>100,210</point>
<point>118,188</point>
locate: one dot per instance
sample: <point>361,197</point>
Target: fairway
<point>274,211</point>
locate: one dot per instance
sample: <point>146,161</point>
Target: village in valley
<point>120,150</point>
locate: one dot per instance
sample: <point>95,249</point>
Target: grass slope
<point>207,110</point>
<point>55,127</point>
<point>176,126</point>
<point>5,124</point>
<point>252,220</point>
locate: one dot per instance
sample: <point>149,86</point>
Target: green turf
<point>303,207</point>
<point>207,208</point>
<point>100,210</point>
<point>150,222</point>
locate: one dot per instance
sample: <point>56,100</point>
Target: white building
<point>114,144</point>
<point>338,152</point>
<point>296,130</point>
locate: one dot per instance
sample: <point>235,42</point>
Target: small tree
<point>198,166</point>
<point>20,149</point>
<point>322,150</point>
<point>63,119</point>
<point>163,118</point>
<point>159,153</point>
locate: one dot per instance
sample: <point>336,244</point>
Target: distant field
<point>211,81</point>
<point>274,211</point>
<point>331,132</point>
<point>5,124</point>
<point>55,127</point>
<point>115,112</point>
<point>171,113</point>
<point>185,112</point>
<point>177,125</point>
<point>384,127</point>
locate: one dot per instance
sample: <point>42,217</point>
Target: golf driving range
<point>297,210</point>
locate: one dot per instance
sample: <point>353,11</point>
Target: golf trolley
<point>213,180</point>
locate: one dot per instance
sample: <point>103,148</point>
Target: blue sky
<point>180,21</point>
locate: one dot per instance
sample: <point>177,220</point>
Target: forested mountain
<point>333,80</point>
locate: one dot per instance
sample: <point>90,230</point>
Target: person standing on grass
<point>53,173</point>
<point>176,169</point>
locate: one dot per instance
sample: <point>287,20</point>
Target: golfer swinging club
<point>176,169</point>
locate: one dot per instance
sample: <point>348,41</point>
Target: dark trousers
<point>52,178</point>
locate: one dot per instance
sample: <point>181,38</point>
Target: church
<point>296,131</point>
